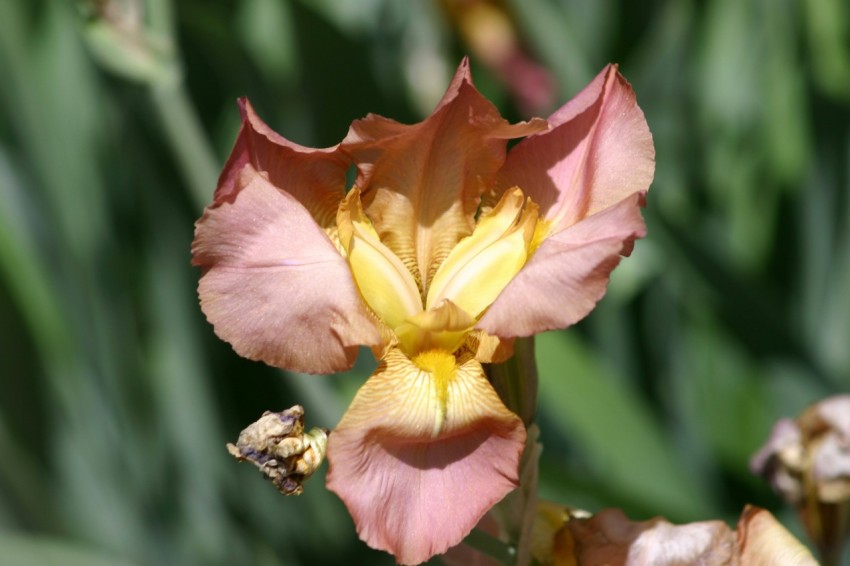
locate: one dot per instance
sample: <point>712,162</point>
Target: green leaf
<point>21,548</point>
<point>614,429</point>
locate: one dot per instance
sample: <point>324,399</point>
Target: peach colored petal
<point>419,457</point>
<point>315,177</point>
<point>489,349</point>
<point>598,151</point>
<point>274,285</point>
<point>421,183</point>
<point>567,275</point>
<point>764,541</point>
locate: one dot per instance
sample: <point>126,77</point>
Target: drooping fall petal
<point>421,183</point>
<point>567,275</point>
<point>262,255</point>
<point>598,152</point>
<point>422,453</point>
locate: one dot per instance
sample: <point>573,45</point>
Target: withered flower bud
<point>807,461</point>
<point>279,447</point>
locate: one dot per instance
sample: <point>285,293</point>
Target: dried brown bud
<point>807,461</point>
<point>279,447</point>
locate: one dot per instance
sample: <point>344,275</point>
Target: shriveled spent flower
<point>446,249</point>
<point>807,461</point>
<point>610,538</point>
<point>279,447</point>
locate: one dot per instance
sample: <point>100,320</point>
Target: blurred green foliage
<point>116,399</point>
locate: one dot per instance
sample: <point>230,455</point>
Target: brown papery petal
<point>610,538</point>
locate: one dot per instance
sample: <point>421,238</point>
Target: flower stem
<point>491,546</point>
<point>516,382</point>
<point>144,50</point>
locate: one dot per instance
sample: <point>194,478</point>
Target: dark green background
<point>116,398</point>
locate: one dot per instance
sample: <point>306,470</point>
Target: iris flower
<point>446,248</point>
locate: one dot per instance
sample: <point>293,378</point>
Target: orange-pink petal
<point>315,177</point>
<point>421,184</point>
<point>597,152</point>
<point>567,275</point>
<point>274,286</point>
<point>419,458</point>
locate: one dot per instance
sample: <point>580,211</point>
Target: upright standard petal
<point>274,286</point>
<point>424,450</point>
<point>598,152</point>
<point>314,177</point>
<point>567,275</point>
<point>421,183</point>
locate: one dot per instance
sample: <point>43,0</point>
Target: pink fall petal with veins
<point>262,255</point>
<point>417,483</point>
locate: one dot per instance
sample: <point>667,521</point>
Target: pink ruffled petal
<point>421,184</point>
<point>274,286</point>
<point>598,151</point>
<point>567,275</point>
<point>418,468</point>
<point>315,177</point>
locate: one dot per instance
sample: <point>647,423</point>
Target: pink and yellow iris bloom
<point>446,249</point>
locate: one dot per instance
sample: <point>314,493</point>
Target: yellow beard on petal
<point>441,365</point>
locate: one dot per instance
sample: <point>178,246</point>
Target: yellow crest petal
<point>444,327</point>
<point>481,265</point>
<point>385,283</point>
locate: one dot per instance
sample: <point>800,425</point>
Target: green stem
<point>516,382</point>
<point>177,115</point>
<point>491,546</point>
<point>146,52</point>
